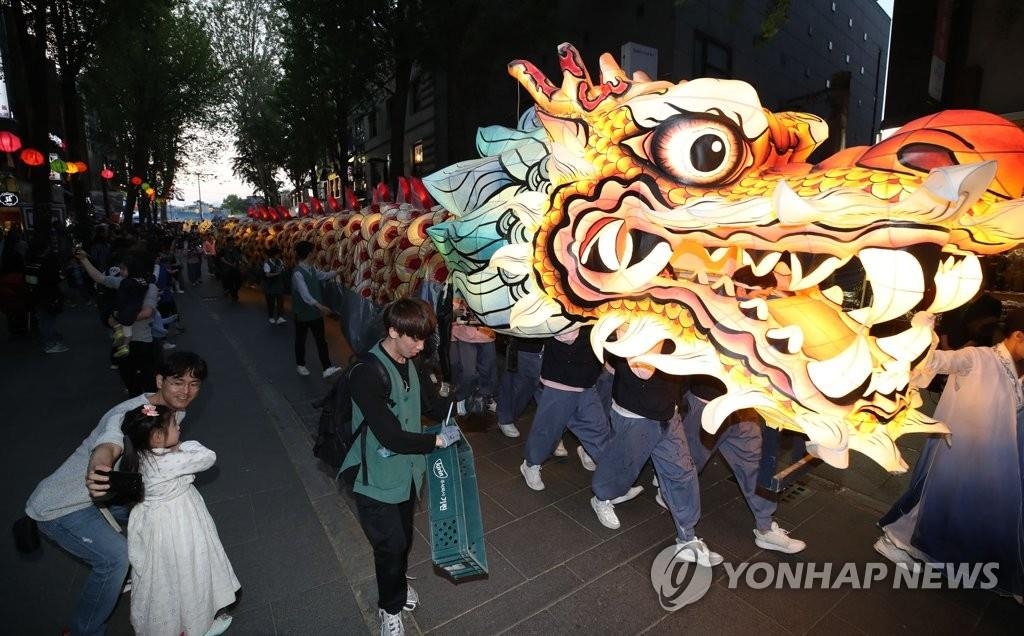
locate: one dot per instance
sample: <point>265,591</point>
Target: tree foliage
<point>153,84</point>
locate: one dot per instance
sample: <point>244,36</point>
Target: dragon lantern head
<point>646,208</point>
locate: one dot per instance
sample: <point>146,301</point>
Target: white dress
<point>180,576</point>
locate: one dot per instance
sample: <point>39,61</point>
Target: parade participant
<point>387,461</point>
<point>965,503</point>
<point>519,383</point>
<point>568,399</point>
<point>307,303</point>
<point>181,575</point>
<point>63,503</point>
<point>273,285</point>
<point>474,361</point>
<point>739,440</point>
<point>646,425</point>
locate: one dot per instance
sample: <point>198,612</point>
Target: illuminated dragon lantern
<point>632,204</point>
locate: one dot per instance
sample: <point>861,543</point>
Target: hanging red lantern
<point>136,181</point>
<point>9,142</point>
<point>32,157</point>
<point>107,174</point>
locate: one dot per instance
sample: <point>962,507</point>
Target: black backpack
<point>335,435</point>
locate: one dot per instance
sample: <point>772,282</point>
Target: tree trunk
<point>396,120</point>
<point>75,137</point>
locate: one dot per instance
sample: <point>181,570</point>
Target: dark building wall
<point>986,44</point>
<point>789,71</point>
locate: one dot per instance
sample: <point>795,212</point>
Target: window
<point>711,58</point>
<point>371,123</point>
<point>417,153</point>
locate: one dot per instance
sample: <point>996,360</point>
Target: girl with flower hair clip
<point>181,576</point>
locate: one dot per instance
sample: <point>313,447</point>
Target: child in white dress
<point>181,575</point>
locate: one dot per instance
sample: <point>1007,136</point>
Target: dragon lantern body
<point>632,204</point>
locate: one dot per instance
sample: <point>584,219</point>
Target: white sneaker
<point>460,407</point>
<point>585,459</point>
<point>605,513</point>
<point>302,370</point>
<point>654,481</point>
<point>777,539</point>
<point>271,321</point>
<point>412,599</point>
<point>696,551</point>
<point>169,346</point>
<point>329,371</point>
<point>532,476</point>
<point>896,554</point>
<point>281,321</point>
<point>391,624</point>
<point>630,494</point>
<point>560,450</point>
<point>492,405</point>
<point>508,430</point>
<point>658,499</point>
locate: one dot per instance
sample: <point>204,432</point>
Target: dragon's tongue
<point>825,335</point>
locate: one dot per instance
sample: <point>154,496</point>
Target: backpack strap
<point>360,432</point>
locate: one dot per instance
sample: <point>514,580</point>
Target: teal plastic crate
<point>456,526</point>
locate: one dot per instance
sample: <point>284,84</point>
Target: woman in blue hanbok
<point>965,503</point>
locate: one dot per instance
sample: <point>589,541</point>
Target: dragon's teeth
<point>897,283</point>
<point>607,245</point>
<point>956,282</point>
<point>767,264</point>
<point>758,306</point>
<point>820,273</point>
<point>791,335</point>
<point>834,293</point>
<point>838,376</point>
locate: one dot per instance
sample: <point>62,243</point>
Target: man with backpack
<point>386,460</point>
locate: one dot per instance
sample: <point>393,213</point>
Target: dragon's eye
<point>695,150</point>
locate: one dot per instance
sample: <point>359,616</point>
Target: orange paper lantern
<point>32,157</point>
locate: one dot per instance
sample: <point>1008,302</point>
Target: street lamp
<point>199,185</point>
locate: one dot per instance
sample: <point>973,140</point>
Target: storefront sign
<point>8,199</point>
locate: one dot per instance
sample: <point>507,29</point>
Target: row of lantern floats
<point>382,252</point>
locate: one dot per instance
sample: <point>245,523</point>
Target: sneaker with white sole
<point>391,624</point>
<point>560,450</point>
<point>329,371</point>
<point>658,499</point>
<point>777,539</point>
<point>460,407</point>
<point>57,347</point>
<point>605,513</point>
<point>508,430</point>
<point>532,476</point>
<point>896,554</point>
<point>302,370</point>
<point>272,321</point>
<point>281,321</point>
<point>630,494</point>
<point>696,551</point>
<point>654,481</point>
<point>412,599</point>
<point>491,404</point>
<point>588,463</point>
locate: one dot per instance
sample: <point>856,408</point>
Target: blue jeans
<point>740,445</point>
<point>580,412</point>
<point>47,322</point>
<point>475,368</point>
<point>517,388</point>
<point>86,535</point>
<point>633,442</point>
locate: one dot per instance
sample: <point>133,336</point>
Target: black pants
<point>388,528</point>
<point>138,368</point>
<point>317,327</point>
<point>275,305</point>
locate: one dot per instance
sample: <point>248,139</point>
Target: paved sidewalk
<point>305,566</point>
